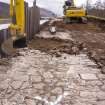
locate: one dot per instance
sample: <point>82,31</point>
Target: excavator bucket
<point>7,47</point>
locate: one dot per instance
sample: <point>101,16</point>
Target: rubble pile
<point>56,46</point>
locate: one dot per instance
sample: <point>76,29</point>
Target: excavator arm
<point>17,27</point>
<point>11,8</point>
<point>20,14</point>
<point>17,13</point>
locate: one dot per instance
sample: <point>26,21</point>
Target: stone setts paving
<point>36,78</point>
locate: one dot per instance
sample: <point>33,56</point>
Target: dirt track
<point>78,26</point>
<point>55,46</point>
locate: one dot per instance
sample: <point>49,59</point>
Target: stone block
<point>88,76</point>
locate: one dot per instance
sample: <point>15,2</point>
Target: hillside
<point>46,13</point>
<point>4,11</point>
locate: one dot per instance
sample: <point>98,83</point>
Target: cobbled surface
<point>36,78</point>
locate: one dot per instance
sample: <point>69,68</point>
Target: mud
<point>90,26</point>
<point>56,46</point>
<point>93,37</point>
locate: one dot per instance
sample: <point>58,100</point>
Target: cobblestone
<point>17,98</point>
<point>35,79</point>
<point>16,84</point>
<point>48,75</point>
<point>100,103</point>
<point>36,74</point>
<point>88,76</point>
<point>94,83</point>
<point>88,94</point>
<point>57,90</point>
<point>30,102</point>
<point>4,84</point>
<point>39,86</point>
<point>101,76</point>
<point>101,95</point>
<point>103,87</point>
<point>26,85</point>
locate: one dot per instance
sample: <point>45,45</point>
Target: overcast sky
<point>53,5</point>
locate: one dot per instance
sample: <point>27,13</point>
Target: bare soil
<point>91,27</point>
<point>92,35</point>
<point>55,46</point>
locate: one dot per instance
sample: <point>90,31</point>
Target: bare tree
<point>98,9</point>
<point>88,4</point>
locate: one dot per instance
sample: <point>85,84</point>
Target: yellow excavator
<point>73,13</point>
<point>17,27</point>
<point>18,18</point>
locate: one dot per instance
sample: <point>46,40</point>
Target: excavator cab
<point>73,13</point>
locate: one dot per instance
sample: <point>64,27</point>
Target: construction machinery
<point>18,18</point>
<point>73,13</point>
<point>17,27</point>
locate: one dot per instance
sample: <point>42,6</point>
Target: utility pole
<point>34,3</point>
<point>88,4</point>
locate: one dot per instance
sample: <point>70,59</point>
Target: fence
<point>32,21</point>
